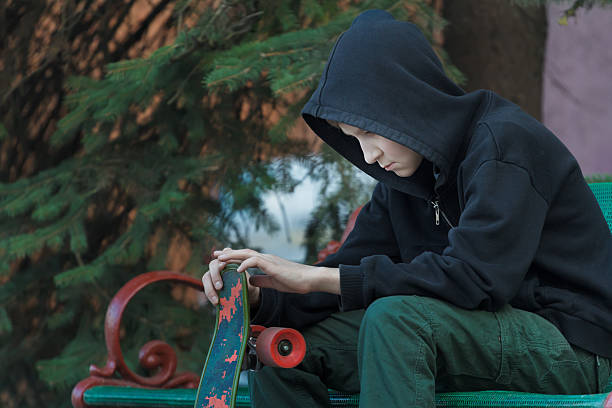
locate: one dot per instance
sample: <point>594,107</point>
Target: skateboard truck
<point>251,362</point>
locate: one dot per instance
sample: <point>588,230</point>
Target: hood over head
<point>383,76</point>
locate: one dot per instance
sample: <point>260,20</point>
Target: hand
<point>281,274</point>
<point>212,281</point>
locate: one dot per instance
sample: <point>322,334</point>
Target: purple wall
<point>577,91</point>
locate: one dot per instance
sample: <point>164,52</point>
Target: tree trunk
<point>499,45</point>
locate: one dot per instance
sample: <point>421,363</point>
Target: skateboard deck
<point>219,382</point>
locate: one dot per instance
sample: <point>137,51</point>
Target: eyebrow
<point>358,131</point>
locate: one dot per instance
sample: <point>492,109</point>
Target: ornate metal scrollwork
<point>153,355</point>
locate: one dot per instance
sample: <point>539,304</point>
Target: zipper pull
<point>436,206</point>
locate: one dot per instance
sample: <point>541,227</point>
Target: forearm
<point>296,310</point>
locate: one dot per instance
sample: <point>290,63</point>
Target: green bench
<point>115,385</point>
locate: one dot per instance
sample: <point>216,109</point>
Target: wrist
<point>326,280</point>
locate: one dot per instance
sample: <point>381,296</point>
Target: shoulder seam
<point>497,149</point>
<point>520,167</point>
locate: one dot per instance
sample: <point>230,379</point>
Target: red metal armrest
<point>333,246</point>
<point>154,354</point>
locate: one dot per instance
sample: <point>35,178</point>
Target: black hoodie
<point>507,218</point>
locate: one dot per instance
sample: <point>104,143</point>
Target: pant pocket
<point>468,346</point>
<point>563,376</point>
<point>536,357</point>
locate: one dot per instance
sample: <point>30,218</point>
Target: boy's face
<point>389,155</point>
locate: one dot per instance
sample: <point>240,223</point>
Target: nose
<point>371,154</point>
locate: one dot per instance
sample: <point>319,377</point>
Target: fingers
<point>215,267</point>
<point>212,280</point>
<point>209,290</point>
<point>238,254</point>
<point>252,262</point>
<point>247,258</point>
<point>216,253</point>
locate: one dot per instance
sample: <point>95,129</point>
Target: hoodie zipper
<point>435,202</point>
<point>437,210</point>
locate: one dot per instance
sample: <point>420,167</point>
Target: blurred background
<point>139,135</point>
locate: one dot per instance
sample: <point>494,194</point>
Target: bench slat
<point>113,396</point>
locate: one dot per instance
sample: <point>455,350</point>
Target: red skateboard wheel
<point>256,330</point>
<point>280,347</point>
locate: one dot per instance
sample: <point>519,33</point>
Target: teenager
<point>482,260</point>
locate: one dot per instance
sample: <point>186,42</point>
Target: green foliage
<point>599,178</point>
<point>341,192</point>
<point>71,365</point>
<point>177,145</point>
<point>5,322</point>
<point>572,8</point>
<point>294,60</point>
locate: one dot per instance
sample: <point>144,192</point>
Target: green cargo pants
<point>403,349</point>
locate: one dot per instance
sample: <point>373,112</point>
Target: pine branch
<point>147,153</point>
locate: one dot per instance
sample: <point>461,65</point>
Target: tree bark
<point>499,45</point>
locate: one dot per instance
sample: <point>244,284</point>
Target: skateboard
<point>273,346</point>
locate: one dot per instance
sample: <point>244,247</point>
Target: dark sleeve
<point>488,255</point>
<point>372,234</point>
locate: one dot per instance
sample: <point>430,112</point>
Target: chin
<point>405,172</point>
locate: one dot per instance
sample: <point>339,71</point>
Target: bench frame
<point>158,355</point>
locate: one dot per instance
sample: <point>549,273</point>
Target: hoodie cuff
<point>351,288</point>
<point>267,302</point>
